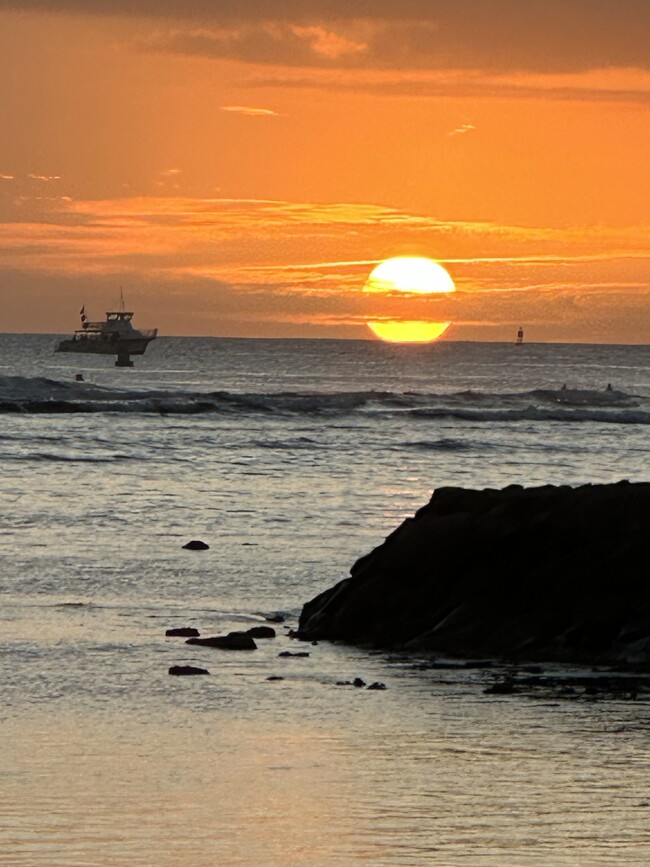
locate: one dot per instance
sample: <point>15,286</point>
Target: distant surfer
<point>79,377</point>
<point>609,387</point>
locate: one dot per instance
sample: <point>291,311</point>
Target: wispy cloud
<point>462,129</point>
<point>4,177</point>
<point>249,111</point>
<point>35,177</point>
<point>598,85</point>
<point>218,251</point>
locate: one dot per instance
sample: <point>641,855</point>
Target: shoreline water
<point>114,760</point>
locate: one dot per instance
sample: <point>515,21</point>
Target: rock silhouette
<point>232,641</point>
<point>551,573</point>
<point>187,670</point>
<point>196,545</point>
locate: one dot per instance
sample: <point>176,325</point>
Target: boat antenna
<point>121,299</point>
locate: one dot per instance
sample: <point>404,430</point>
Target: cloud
<point>603,85</point>
<point>462,129</point>
<point>252,266</point>
<point>500,35</point>
<point>4,177</point>
<point>250,111</point>
<point>44,177</point>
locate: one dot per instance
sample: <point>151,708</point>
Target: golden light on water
<point>409,275</point>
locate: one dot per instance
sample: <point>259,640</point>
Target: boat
<point>520,336</point>
<point>115,336</point>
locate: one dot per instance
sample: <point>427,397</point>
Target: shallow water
<point>317,452</point>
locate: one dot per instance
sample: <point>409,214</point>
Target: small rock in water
<point>289,653</point>
<point>274,618</point>
<point>275,677</point>
<point>261,632</point>
<point>503,687</point>
<point>232,641</point>
<point>187,670</point>
<point>196,545</point>
<point>184,632</point>
<point>377,685</point>
<point>358,682</point>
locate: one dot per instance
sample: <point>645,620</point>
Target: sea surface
<point>291,459</point>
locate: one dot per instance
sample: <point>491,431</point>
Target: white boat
<point>115,336</point>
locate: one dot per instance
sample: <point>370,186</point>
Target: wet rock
<point>274,618</point>
<point>275,677</point>
<point>232,641</point>
<point>184,632</point>
<point>261,632</point>
<point>503,687</point>
<point>358,682</point>
<point>377,685</point>
<point>289,653</point>
<point>196,545</point>
<point>546,574</point>
<point>187,670</point>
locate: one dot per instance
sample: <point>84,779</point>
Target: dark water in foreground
<point>291,459</point>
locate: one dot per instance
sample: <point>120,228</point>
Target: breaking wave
<point>39,395</point>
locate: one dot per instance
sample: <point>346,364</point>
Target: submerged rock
<point>187,670</point>
<point>548,573</point>
<point>232,641</point>
<point>196,545</point>
<point>183,632</point>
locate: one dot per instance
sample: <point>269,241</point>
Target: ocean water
<point>290,458</point>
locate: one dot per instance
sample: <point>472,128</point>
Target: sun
<point>408,332</point>
<point>415,274</point>
<point>408,275</point>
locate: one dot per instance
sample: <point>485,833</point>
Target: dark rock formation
<point>232,641</point>
<point>187,670</point>
<point>548,573</point>
<point>196,545</point>
<point>183,632</point>
<point>261,632</point>
<point>289,653</point>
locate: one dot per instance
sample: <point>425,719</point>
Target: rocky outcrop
<point>548,573</point>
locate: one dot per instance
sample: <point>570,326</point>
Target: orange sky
<point>240,170</point>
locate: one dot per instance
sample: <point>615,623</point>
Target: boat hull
<point>104,345</point>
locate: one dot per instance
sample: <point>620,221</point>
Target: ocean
<point>290,459</point>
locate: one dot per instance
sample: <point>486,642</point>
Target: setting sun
<point>408,332</point>
<point>408,275</point>
<point>415,274</point>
